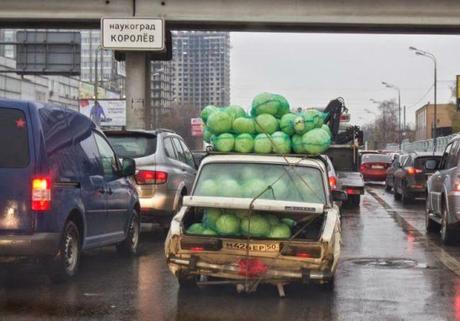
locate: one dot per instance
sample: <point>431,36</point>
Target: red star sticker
<point>20,123</point>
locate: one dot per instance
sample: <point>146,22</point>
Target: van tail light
<point>312,252</point>
<point>333,182</point>
<point>353,191</point>
<point>413,171</point>
<point>41,194</point>
<point>144,177</point>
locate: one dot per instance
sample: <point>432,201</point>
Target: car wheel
<point>396,195</point>
<point>447,235</point>
<point>130,245</point>
<point>406,197</point>
<point>387,187</point>
<point>65,264</point>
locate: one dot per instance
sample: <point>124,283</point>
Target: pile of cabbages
<point>269,128</point>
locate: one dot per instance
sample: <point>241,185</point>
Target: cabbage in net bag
<point>219,122</point>
<point>287,123</point>
<point>244,143</point>
<point>235,111</point>
<point>244,125</point>
<point>207,111</point>
<point>281,143</point>
<point>262,144</point>
<point>266,123</point>
<point>268,103</point>
<point>224,142</point>
<point>316,141</point>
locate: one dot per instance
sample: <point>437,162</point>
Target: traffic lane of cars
<point>142,288</point>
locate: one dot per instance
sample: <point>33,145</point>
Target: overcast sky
<point>311,69</point>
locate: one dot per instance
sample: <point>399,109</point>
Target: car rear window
<point>375,158</point>
<point>13,139</point>
<point>133,146</point>
<point>420,161</point>
<point>264,181</point>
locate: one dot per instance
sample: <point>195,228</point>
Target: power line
<point>423,97</point>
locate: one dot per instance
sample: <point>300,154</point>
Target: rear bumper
<point>374,177</point>
<point>38,244</point>
<point>232,271</point>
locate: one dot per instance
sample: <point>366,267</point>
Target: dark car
<point>395,165</point>
<point>410,178</point>
<point>165,170</point>
<point>374,166</point>
<point>62,189</point>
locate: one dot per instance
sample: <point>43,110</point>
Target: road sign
<point>197,127</point>
<point>141,34</point>
<point>48,53</point>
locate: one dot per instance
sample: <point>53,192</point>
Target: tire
<point>447,234</point>
<point>406,197</point>
<point>387,187</point>
<point>354,200</point>
<point>130,246</point>
<point>65,264</point>
<point>396,195</point>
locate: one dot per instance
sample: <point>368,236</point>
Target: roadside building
<point>446,123</point>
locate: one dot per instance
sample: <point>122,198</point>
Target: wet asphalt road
<point>389,270</point>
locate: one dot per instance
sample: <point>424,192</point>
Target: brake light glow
<point>144,177</point>
<point>304,255</point>
<point>362,167</point>
<point>197,249</point>
<point>413,171</point>
<point>457,187</point>
<point>352,191</point>
<point>333,182</point>
<point>41,194</point>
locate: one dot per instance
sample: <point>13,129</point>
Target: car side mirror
<point>431,164</point>
<point>339,196</point>
<point>128,167</point>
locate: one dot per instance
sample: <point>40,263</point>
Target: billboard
<point>105,112</point>
<point>197,127</point>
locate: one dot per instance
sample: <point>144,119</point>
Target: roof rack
<point>161,130</point>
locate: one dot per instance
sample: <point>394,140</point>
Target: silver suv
<point>443,193</point>
<point>165,170</point>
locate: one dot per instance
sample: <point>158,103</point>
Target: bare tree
<point>385,128</point>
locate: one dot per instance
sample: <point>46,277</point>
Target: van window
<point>13,139</point>
<point>90,163</point>
<point>108,159</point>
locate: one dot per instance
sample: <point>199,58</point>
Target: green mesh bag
<point>316,141</point>
<point>207,111</point>
<point>244,143</point>
<point>313,119</point>
<point>268,103</point>
<point>196,228</point>
<point>219,122</point>
<point>255,225</point>
<point>262,144</point>
<point>299,125</point>
<point>266,123</point>
<point>287,123</point>
<point>244,125</point>
<point>235,111</point>
<point>228,224</point>
<point>207,134</point>
<point>297,144</point>
<point>224,142</point>
<point>210,217</point>
<point>281,143</point>
<point>327,129</point>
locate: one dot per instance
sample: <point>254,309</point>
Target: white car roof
<point>266,159</point>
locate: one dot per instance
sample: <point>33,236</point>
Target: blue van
<point>62,188</point>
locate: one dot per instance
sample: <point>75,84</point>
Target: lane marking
<point>442,255</point>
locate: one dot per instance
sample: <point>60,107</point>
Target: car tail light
<point>353,191</point>
<point>301,251</point>
<point>456,187</point>
<point>413,171</point>
<point>41,194</point>
<point>151,177</point>
<point>362,167</point>
<point>333,182</point>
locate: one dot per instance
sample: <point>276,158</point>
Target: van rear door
<point>16,169</point>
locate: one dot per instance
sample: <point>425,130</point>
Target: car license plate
<point>377,166</point>
<point>253,247</point>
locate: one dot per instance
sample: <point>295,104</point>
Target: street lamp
<point>429,55</point>
<point>399,107</point>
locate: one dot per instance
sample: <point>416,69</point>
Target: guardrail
<point>427,145</point>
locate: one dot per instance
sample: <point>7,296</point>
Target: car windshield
<point>264,181</point>
<point>13,139</point>
<point>133,146</point>
<point>376,158</point>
